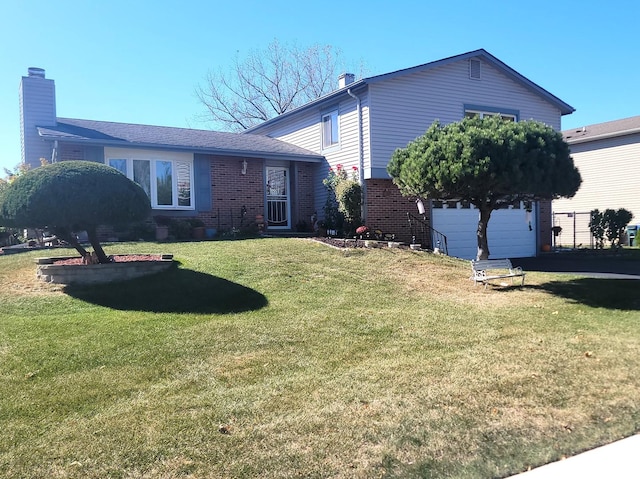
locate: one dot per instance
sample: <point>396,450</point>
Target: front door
<point>278,208</point>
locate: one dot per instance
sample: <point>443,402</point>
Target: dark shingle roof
<point>205,141</point>
<point>599,131</point>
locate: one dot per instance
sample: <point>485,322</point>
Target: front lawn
<point>286,358</point>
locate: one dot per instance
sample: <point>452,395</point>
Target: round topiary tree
<point>73,196</point>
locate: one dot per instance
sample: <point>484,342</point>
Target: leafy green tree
<point>8,233</point>
<point>610,224</point>
<point>615,222</point>
<point>73,196</point>
<point>597,227</point>
<point>488,162</point>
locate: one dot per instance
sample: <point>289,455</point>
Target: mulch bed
<point>351,243</point>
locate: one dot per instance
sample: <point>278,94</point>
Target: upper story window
<point>330,130</point>
<point>508,115</point>
<point>167,179</point>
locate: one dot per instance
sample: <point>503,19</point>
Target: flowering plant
<point>345,194</point>
<point>362,230</point>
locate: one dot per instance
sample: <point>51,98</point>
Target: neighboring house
<point>276,169</point>
<point>608,157</point>
<point>364,122</point>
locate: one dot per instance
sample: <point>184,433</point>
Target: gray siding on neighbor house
<point>610,173</point>
<point>403,107</point>
<point>37,108</point>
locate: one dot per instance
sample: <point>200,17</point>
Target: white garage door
<point>511,233</point>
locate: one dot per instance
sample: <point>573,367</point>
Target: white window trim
<point>152,156</point>
<point>483,113</point>
<point>330,114</point>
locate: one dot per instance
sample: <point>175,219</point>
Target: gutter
<point>363,212</point>
<point>203,150</point>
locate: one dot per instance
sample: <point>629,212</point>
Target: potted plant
<point>362,232</point>
<point>322,228</point>
<point>197,228</point>
<point>162,227</point>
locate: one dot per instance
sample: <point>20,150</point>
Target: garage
<point>511,232</point>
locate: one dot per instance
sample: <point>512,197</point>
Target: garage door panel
<point>508,233</point>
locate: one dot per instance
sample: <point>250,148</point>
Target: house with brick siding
<point>363,122</point>
<point>275,170</point>
<point>225,179</point>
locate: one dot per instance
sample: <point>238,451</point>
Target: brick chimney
<point>346,79</point>
<point>37,108</point>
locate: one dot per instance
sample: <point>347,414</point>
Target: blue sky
<point>140,61</point>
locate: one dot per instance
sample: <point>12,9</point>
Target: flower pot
<point>197,232</point>
<point>162,232</point>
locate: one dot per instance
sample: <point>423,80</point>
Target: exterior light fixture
<point>244,167</point>
<point>420,206</point>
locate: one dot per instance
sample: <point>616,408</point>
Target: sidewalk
<point>619,460</point>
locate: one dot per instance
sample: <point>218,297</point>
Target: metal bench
<point>486,270</point>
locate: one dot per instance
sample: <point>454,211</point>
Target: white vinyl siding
<point>305,130</point>
<point>405,106</point>
<point>610,170</point>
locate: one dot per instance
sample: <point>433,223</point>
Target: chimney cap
<point>345,79</point>
<point>36,72</point>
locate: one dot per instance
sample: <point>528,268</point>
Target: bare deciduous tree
<point>267,83</point>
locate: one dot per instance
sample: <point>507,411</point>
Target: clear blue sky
<point>139,61</point>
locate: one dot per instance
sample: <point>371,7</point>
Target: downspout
<point>54,152</point>
<point>363,212</point>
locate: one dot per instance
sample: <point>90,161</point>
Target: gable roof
<point>600,131</point>
<point>564,108</point>
<point>163,137</point>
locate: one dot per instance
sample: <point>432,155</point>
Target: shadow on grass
<point>597,292</point>
<point>173,291</point>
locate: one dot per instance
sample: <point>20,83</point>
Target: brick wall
<point>545,223</point>
<point>302,193</point>
<point>231,190</point>
<point>70,152</point>
<point>387,209</point>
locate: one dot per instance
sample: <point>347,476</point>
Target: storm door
<point>278,206</point>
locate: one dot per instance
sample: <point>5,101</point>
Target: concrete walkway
<point>618,460</point>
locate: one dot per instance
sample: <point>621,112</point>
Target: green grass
<point>285,358</point>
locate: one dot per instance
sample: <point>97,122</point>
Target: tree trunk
<point>70,238</point>
<point>483,242</point>
<point>97,247</point>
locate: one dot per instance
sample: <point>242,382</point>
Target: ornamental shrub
<point>74,196</point>
<point>610,224</point>
<point>345,198</point>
